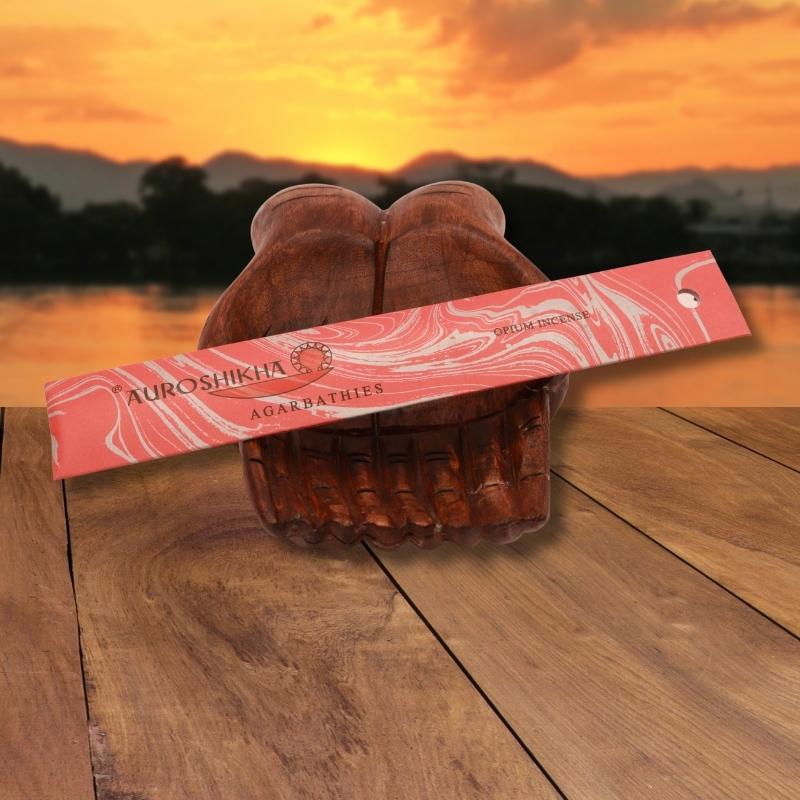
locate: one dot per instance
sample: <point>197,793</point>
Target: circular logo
<point>311,357</point>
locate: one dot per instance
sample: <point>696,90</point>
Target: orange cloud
<point>513,42</point>
<point>98,111</point>
<point>53,52</point>
<point>57,74</point>
<point>588,85</point>
<point>320,21</point>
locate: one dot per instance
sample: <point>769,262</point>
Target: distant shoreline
<point>157,287</point>
<point>186,233</point>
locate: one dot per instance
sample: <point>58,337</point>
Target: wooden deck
<point>156,645</point>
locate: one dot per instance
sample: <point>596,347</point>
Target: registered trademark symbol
<point>116,388</point>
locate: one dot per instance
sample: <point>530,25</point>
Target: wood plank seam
<point>70,567</point>
<point>679,557</point>
<point>727,439</point>
<point>266,663</point>
<point>731,512</point>
<point>617,661</point>
<point>457,661</point>
<point>44,752</point>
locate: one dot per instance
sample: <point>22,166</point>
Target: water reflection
<point>53,332</point>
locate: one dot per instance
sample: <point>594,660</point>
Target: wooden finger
<point>529,427</point>
<point>407,499</point>
<point>330,510</point>
<point>358,457</point>
<point>276,454</point>
<point>490,472</point>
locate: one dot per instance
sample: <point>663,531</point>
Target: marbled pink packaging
<point>207,398</point>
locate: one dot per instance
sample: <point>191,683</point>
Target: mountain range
<point>81,176</point>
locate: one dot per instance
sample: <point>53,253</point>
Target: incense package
<point>239,391</point>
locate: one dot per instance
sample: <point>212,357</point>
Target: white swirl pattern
<point>404,357</point>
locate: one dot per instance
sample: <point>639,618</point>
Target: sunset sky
<point>591,86</point>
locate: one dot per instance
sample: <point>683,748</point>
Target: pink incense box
<point>435,417</point>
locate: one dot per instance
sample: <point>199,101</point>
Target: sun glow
<point>377,83</point>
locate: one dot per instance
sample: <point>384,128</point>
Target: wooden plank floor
<point>729,511</point>
<point>645,644</point>
<point>225,663</point>
<point>771,432</point>
<point>44,747</point>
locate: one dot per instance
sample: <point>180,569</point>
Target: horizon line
<point>87,151</point>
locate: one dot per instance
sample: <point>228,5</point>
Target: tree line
<point>183,233</point>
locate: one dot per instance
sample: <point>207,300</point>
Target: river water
<point>54,332</point>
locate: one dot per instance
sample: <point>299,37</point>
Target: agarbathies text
<point>541,322</point>
<point>318,401</point>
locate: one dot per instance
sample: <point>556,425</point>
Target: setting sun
<point>598,89</point>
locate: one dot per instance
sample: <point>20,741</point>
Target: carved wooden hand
<point>462,469</point>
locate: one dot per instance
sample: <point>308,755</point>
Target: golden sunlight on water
<point>57,332</point>
<point>761,370</point>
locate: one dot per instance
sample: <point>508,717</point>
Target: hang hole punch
<point>688,298</point>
